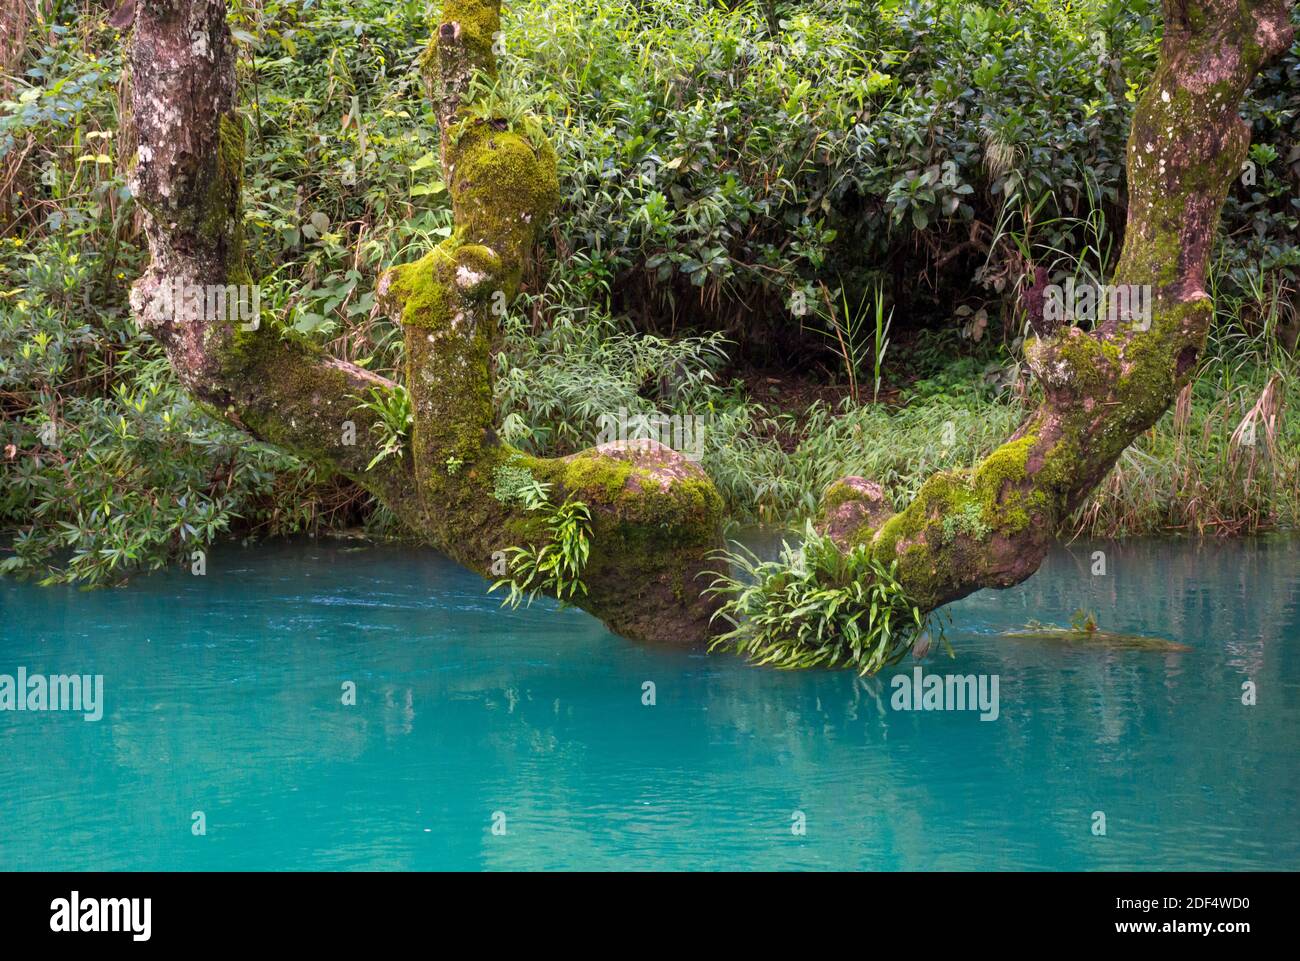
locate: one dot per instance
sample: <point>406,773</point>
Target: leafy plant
<point>816,605</point>
<point>882,340</point>
<point>514,483</point>
<point>554,384</point>
<point>107,466</point>
<point>847,336</point>
<point>968,520</point>
<point>488,99</point>
<point>393,420</point>
<point>556,566</point>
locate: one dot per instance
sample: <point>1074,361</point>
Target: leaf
<point>428,160</point>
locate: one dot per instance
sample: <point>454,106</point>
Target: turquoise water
<point>223,695</point>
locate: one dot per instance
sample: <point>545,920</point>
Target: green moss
<point>503,188</point>
<point>479,22</point>
<point>589,472</point>
<point>215,219</point>
<point>1089,362</point>
<point>942,493</point>
<point>999,487</point>
<point>1062,466</point>
<point>635,496</point>
<point>837,495</point>
<point>420,290</point>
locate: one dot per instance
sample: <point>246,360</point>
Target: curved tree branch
<point>655,516</point>
<point>992,526</point>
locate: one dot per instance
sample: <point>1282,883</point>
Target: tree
<point>655,517</point>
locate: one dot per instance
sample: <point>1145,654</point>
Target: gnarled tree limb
<point>656,517</point>
<point>992,526</point>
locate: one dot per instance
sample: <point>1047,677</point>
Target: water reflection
<point>224,695</point>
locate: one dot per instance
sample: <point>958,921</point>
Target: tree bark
<point>656,517</point>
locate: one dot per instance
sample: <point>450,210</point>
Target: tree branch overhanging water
<point>655,516</point>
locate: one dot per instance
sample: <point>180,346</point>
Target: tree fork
<point>656,516</point>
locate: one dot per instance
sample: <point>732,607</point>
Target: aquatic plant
<point>1084,621</point>
<point>1083,633</point>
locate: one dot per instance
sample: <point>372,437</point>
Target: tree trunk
<point>656,516</point>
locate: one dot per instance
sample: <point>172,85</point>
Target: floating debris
<point>1033,631</point>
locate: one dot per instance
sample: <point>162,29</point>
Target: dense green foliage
<point>738,181</point>
<point>108,464</point>
<point>816,606</point>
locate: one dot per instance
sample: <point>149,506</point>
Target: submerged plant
<point>816,605</point>
<point>1084,621</point>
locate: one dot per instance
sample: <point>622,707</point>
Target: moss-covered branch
<point>992,526</point>
<point>655,517</point>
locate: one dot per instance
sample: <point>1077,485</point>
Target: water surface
<point>224,695</point>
